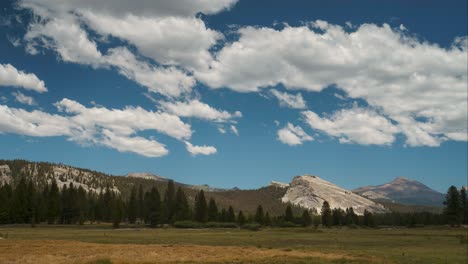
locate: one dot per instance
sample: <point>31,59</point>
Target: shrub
<point>221,225</point>
<point>252,226</point>
<point>188,224</point>
<point>286,224</point>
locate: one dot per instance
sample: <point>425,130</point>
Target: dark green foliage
<point>188,224</point>
<point>141,203</point>
<point>252,226</point>
<point>153,207</point>
<point>117,212</point>
<point>351,217</point>
<point>132,206</point>
<point>289,217</point>
<point>306,219</point>
<point>267,219</point>
<point>259,215</point>
<point>453,206</point>
<point>5,198</point>
<point>464,205</point>
<point>338,217</point>
<point>368,219</point>
<point>231,216</point>
<point>326,214</point>
<point>200,208</point>
<point>212,211</point>
<point>182,209</point>
<point>241,218</point>
<point>169,203</point>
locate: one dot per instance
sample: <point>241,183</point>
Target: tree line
<point>28,204</point>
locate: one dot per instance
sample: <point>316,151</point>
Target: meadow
<point>102,244</point>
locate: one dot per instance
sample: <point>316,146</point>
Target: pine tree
<point>141,203</point>
<point>241,218</point>
<point>107,205</point>
<point>132,206</point>
<point>212,211</point>
<point>153,204</point>
<point>231,216</point>
<point>19,204</point>
<point>169,202</point>
<point>259,215</point>
<point>306,218</point>
<point>464,202</point>
<point>351,217</point>
<point>53,203</point>
<point>182,209</point>
<point>267,219</point>
<point>326,214</point>
<point>289,216</point>
<point>200,208</point>
<point>453,206</point>
<point>82,205</point>
<point>223,215</point>
<point>31,204</point>
<point>368,219</point>
<point>5,197</point>
<point>117,212</point>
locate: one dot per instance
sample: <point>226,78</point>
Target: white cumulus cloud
<point>285,99</point>
<point>355,125</point>
<point>24,99</point>
<point>200,150</point>
<point>421,84</point>
<point>293,135</point>
<point>10,76</point>
<point>197,109</point>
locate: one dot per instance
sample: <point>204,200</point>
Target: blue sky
<point>238,93</point>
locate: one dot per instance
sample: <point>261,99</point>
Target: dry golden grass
<point>60,251</point>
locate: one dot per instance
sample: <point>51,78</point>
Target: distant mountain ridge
<point>306,191</point>
<point>402,190</point>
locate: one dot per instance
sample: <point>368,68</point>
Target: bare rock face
<point>5,175</point>
<point>147,176</point>
<point>310,192</point>
<point>279,184</point>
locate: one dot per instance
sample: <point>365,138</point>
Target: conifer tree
<point>289,216</point>
<point>326,214</point>
<point>267,219</point>
<point>231,216</point>
<point>117,212</point>
<point>31,204</point>
<point>200,208</point>
<point>169,202</point>
<point>107,205</point>
<point>82,205</point>
<point>351,217</point>
<point>368,219</point>
<point>464,202</point>
<point>240,218</point>
<point>453,206</point>
<point>223,215</point>
<point>306,218</point>
<point>153,202</point>
<point>182,209</point>
<point>132,206</point>
<point>5,197</point>
<point>141,203</point>
<point>212,210</point>
<point>259,215</point>
<point>19,204</point>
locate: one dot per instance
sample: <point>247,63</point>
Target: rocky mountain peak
<point>310,191</point>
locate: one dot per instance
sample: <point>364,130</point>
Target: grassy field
<point>101,244</point>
